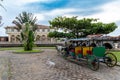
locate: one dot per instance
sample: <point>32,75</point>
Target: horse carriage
<point>81,49</point>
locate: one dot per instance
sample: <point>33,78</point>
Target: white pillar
<point>9,38</point>
<point>115,45</point>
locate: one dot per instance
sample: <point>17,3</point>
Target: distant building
<point>95,36</point>
<point>3,39</point>
<point>40,34</point>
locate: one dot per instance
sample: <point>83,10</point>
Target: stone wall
<point>20,45</point>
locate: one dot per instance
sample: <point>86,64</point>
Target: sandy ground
<point>35,67</point>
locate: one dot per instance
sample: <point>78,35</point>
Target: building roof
<point>80,39</point>
<point>38,26</point>
<point>3,36</point>
<point>10,27</point>
<point>94,36</point>
<point>43,27</point>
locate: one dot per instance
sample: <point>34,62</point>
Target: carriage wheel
<point>93,62</point>
<point>110,59</point>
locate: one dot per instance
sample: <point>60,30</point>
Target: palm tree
<point>27,36</point>
<point>25,23</point>
<point>23,18</point>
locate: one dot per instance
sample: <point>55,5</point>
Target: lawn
<point>117,55</point>
<point>9,48</point>
<point>16,48</point>
<point>20,49</point>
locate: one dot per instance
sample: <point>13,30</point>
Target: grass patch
<point>17,48</point>
<point>32,51</point>
<point>117,54</point>
<point>47,47</point>
<point>114,50</point>
<point>9,48</point>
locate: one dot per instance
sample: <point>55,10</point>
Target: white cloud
<point>57,12</point>
<point>40,17</point>
<point>110,12</point>
<point>115,33</point>
<point>23,2</point>
<point>44,16</point>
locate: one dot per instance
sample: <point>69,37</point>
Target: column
<point>9,38</point>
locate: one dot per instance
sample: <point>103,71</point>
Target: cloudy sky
<point>106,10</point>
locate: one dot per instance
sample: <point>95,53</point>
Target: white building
<point>40,34</point>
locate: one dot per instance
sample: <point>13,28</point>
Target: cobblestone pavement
<point>4,68</point>
<point>35,67</point>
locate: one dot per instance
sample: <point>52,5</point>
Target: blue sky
<point>106,10</point>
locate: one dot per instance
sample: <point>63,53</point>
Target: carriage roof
<point>80,39</point>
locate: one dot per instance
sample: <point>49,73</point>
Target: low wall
<point>20,45</point>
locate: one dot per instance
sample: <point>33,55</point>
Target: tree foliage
<point>27,36</point>
<point>82,27</point>
<point>23,18</point>
<point>56,34</point>
<point>100,28</point>
<point>25,23</point>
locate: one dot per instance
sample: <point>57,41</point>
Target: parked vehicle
<point>78,49</point>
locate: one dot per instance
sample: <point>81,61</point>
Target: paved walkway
<point>35,67</point>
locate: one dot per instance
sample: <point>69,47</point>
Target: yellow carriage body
<point>83,50</point>
<point>78,50</point>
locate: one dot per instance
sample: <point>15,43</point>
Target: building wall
<point>3,39</point>
<point>40,35</point>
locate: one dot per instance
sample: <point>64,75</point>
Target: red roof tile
<point>38,26</point>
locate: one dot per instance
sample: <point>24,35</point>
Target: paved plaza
<point>35,67</point>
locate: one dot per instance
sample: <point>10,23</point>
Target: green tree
<point>23,18</point>
<point>72,25</point>
<point>26,24</point>
<point>27,35</point>
<point>56,34</point>
<point>100,28</point>
<point>82,27</point>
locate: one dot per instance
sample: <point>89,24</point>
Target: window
<point>43,30</point>
<point>48,30</point>
<point>38,30</point>
<point>12,30</point>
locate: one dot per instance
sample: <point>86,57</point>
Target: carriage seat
<point>87,50</point>
<point>99,51</point>
<point>78,50</point>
